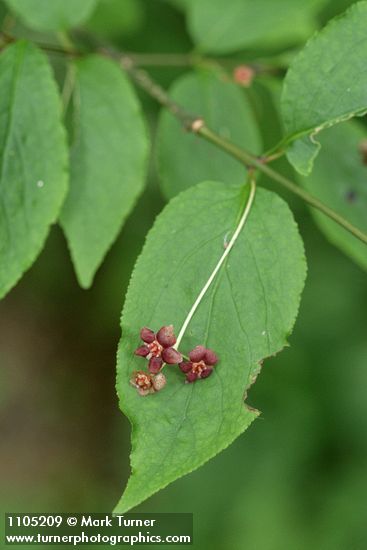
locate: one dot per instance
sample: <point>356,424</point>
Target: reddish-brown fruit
<point>166,337</point>
<point>147,335</point>
<point>201,363</point>
<point>155,364</point>
<point>185,366</point>
<point>197,354</point>
<point>210,357</point>
<point>191,377</point>
<point>142,351</point>
<point>159,381</point>
<point>171,356</point>
<point>243,75</point>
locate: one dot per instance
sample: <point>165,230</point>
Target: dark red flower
<point>200,353</point>
<point>200,365</point>
<point>158,348</point>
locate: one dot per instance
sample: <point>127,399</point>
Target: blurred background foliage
<point>297,479</point>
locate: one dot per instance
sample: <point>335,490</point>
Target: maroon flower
<point>147,383</point>
<point>200,365</point>
<point>158,348</point>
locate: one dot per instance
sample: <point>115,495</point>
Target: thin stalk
<point>144,81</point>
<point>162,59</point>
<point>229,247</point>
<point>249,160</point>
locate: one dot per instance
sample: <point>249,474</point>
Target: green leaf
<point>183,160</point>
<point>180,4</point>
<point>217,27</point>
<point>326,84</point>
<point>33,158</point>
<point>108,162</point>
<point>339,179</point>
<point>113,19</point>
<point>245,316</point>
<point>52,15</point>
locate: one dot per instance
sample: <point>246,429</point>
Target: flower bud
<point>243,75</point>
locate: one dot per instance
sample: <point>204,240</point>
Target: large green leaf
<point>52,15</point>
<point>108,162</point>
<point>339,179</point>
<point>184,160</point>
<point>326,84</point>
<point>246,315</point>
<point>33,158</point>
<point>221,27</point>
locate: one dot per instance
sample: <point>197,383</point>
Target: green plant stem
<point>197,125</point>
<point>144,81</point>
<point>162,59</point>
<point>195,60</point>
<point>249,160</point>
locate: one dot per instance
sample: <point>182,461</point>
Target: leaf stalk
<point>227,250</point>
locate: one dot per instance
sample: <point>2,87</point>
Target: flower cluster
<point>200,365</point>
<point>159,349</point>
